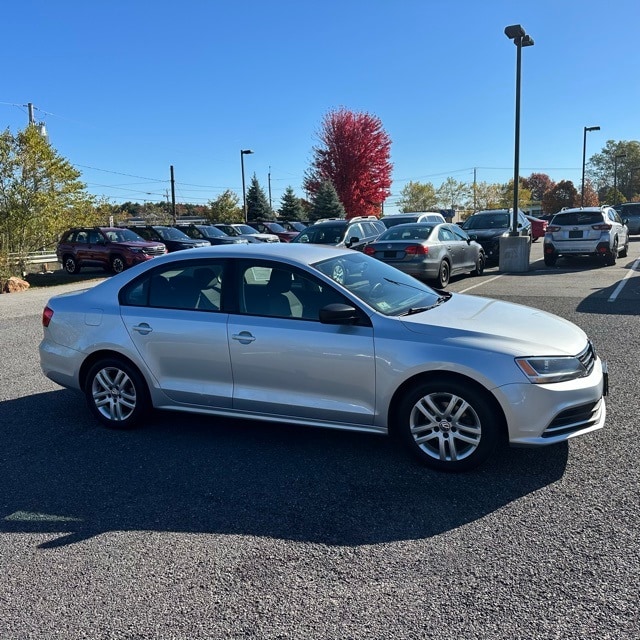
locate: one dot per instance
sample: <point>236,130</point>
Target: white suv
<point>594,231</point>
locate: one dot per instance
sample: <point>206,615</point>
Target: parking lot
<point>195,527</point>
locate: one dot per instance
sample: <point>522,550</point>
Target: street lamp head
<point>621,155</point>
<point>245,151</point>
<point>527,41</point>
<point>514,31</point>
<point>592,128</point>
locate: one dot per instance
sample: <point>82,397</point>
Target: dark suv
<point>268,226</point>
<point>173,238</point>
<point>487,227</point>
<point>112,248</point>
<point>211,234</point>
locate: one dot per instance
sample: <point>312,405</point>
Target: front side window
<point>280,291</point>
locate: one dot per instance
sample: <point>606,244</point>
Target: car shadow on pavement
<point>63,474</point>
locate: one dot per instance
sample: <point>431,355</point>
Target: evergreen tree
<point>290,206</point>
<point>326,203</point>
<point>257,204</point>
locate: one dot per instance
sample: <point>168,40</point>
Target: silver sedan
<point>314,335</point>
<point>429,251</point>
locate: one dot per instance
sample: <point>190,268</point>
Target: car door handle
<point>143,328</point>
<point>244,337</point>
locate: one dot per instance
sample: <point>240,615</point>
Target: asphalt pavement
<point>194,527</point>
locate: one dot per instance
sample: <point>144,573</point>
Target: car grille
<point>588,357</point>
<point>574,419</point>
<point>153,251</point>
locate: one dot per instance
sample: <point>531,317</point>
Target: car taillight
<point>602,227</point>
<point>417,250</point>
<point>553,228</point>
<point>369,250</point>
<point>47,314</point>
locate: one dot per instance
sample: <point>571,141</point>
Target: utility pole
<point>173,196</point>
<point>269,181</point>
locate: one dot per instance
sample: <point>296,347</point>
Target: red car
<point>538,227</point>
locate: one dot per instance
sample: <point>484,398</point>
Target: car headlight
<point>556,369</point>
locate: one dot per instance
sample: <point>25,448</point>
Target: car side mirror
<point>351,241</point>
<point>338,313</point>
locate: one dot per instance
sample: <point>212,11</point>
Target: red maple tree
<point>354,157</point>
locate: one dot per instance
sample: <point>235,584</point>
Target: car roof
<point>302,253</point>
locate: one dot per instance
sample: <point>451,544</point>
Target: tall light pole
<point>584,157</point>
<point>516,33</point>
<point>615,176</point>
<point>244,152</point>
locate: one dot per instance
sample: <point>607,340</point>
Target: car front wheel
<point>116,393</point>
<point>448,425</point>
<point>479,270</point>
<point>70,265</point>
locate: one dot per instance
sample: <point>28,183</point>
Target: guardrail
<point>43,258</point>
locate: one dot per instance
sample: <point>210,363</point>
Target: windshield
<point>392,221</point>
<point>577,218</point>
<point>379,285</point>
<point>274,227</point>
<point>211,232</point>
<point>123,235</point>
<point>246,229</point>
<point>171,233</point>
<point>488,221</point>
<point>322,234</point>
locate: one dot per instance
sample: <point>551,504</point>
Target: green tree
<point>614,164</point>
<point>484,196</point>
<point>290,206</point>
<point>226,208</point>
<point>40,193</point>
<point>452,194</point>
<point>326,203</point>
<point>416,196</point>
<point>524,195</point>
<point>257,204</point>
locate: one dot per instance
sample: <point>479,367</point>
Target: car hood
<point>485,234</point>
<point>493,325</point>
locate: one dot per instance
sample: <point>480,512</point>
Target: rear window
<point>577,218</point>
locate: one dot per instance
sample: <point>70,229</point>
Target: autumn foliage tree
<point>354,157</point>
<point>563,194</point>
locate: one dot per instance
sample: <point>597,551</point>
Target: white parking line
<point>481,283</point>
<point>622,282</point>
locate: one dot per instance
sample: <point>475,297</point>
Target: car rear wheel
<point>448,425</point>
<point>443,275</point>
<point>117,264</point>
<point>70,265</point>
<point>610,258</point>
<point>116,393</point>
<point>550,260</point>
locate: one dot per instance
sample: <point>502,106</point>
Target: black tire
<point>71,266</point>
<point>550,261</point>
<point>448,425</point>
<point>444,273</point>
<point>625,249</point>
<point>611,258</point>
<point>118,265</point>
<point>479,270</point>
<point>116,393</point>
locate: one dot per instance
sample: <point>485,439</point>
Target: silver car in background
<point>429,251</point>
<point>312,335</point>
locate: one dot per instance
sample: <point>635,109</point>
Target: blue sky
<point>128,88</point>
